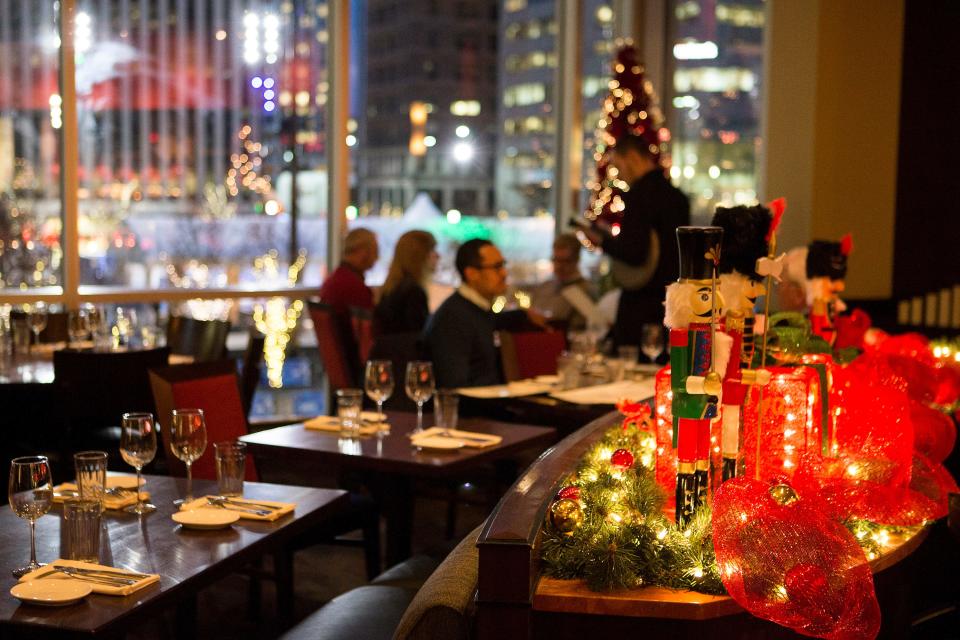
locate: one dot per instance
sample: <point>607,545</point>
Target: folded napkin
<point>69,491</point>
<point>277,509</point>
<point>369,424</point>
<point>514,389</point>
<point>49,573</point>
<point>470,439</point>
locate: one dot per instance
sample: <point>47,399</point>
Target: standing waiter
<point>644,252</point>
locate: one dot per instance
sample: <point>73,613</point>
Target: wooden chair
<point>205,340</point>
<point>361,322</point>
<point>530,353</point>
<point>96,388</point>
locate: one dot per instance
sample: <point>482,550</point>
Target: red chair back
<point>361,321</point>
<point>332,346</point>
<point>531,353</point>
<point>212,387</point>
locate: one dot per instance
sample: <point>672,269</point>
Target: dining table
<point>187,560</point>
<point>391,463</point>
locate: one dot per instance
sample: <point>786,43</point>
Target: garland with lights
<point>607,525</point>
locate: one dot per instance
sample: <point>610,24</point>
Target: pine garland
<point>624,540</point>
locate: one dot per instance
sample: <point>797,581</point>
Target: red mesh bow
<point>851,329</point>
<point>934,433</point>
<point>788,563</point>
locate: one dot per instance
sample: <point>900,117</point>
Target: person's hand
<point>538,319</point>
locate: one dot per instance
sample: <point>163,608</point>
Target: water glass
<point>568,369</point>
<point>445,404</point>
<point>231,460</point>
<point>91,468</point>
<point>30,494</point>
<point>78,326</point>
<point>82,521</point>
<point>349,405</point>
<point>21,335</point>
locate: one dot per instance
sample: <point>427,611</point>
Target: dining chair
<point>361,322</point>
<point>335,349</point>
<point>530,353</point>
<point>250,369</point>
<point>205,340</point>
<point>95,388</point>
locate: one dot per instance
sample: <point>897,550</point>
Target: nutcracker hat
<point>744,238</point>
<point>826,259</point>
<point>699,251</point>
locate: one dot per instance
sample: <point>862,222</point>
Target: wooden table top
<point>187,560</point>
<point>393,453</point>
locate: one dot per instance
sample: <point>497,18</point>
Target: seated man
<point>345,288</point>
<point>549,297</point>
<point>459,337</point>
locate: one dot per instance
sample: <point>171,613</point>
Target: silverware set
<point>97,576</point>
<point>256,508</point>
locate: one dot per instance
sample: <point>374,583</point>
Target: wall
<point>833,100</point>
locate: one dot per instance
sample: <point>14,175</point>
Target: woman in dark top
<point>403,297</point>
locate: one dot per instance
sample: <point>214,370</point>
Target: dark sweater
<point>402,310</point>
<point>459,339</point>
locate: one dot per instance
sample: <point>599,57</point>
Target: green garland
<point>624,540</point>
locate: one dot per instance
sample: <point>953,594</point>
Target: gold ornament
<point>783,494</point>
<point>566,515</point>
<point>712,383</point>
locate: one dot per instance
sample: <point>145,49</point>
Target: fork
<point>104,580</point>
<point>228,505</point>
<point>247,503</point>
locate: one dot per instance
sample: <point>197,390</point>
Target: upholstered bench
<point>395,605</point>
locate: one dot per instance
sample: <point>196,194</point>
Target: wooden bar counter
<point>514,600</point>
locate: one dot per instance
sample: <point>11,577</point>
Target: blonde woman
<point>403,298</point>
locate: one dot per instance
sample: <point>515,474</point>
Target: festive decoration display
<point>744,263</point>
<point>782,559</point>
<point>630,109</point>
<point>826,268</point>
<point>623,539</point>
<point>698,352</point>
<point>621,460</point>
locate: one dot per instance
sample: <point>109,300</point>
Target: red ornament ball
<point>570,493</point>
<point>621,460</point>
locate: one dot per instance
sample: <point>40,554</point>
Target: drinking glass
<point>445,405</point>
<point>378,383</point>
<point>349,406</point>
<point>419,386</point>
<point>81,518</point>
<point>125,324</point>
<point>30,493</point>
<point>651,341</point>
<point>38,320</point>
<point>188,440</point>
<point>138,445</point>
<point>231,459</point>
<point>77,325</point>
<point>91,468</point>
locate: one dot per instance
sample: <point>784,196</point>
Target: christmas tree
<point>629,109</point>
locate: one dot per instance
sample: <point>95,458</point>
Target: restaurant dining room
<point>479,319</point>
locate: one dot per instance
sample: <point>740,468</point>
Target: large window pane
<point>193,117</point>
<point>30,120</point>
<point>717,53</point>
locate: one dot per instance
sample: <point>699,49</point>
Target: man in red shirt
<point>345,288</point>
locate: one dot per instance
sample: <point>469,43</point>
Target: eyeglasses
<point>496,266</point>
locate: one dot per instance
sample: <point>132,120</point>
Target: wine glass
<point>188,439</point>
<point>651,341</point>
<point>30,493</point>
<point>419,386</point>
<point>77,325</point>
<point>38,320</point>
<point>125,323</point>
<point>138,445</point>
<point>378,383</point>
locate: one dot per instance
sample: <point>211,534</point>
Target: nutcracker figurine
<point>826,269</point>
<point>743,266</point>
<point>698,353</point>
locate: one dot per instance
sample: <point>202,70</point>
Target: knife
<point>107,572</point>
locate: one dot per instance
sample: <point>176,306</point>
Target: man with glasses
<point>459,337</point>
<point>554,296</point>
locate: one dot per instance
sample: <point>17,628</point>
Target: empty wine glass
<point>126,321</point>
<point>651,341</point>
<point>138,445</point>
<point>38,320</point>
<point>77,325</point>
<point>188,440</point>
<point>378,383</point>
<point>30,493</point>
<point>419,386</point>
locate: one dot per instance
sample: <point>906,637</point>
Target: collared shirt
<point>474,296</point>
